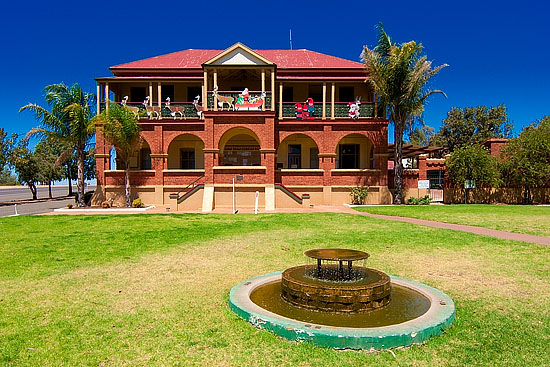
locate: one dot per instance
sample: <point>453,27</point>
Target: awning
<point>410,150</point>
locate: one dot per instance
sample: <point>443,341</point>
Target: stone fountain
<point>336,303</point>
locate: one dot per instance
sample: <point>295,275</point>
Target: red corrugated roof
<point>284,59</point>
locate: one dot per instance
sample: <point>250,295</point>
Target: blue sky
<point>497,51</point>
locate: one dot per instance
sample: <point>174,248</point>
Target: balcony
<point>176,110</point>
<point>341,110</point>
<point>233,95</point>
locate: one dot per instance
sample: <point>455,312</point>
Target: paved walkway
<point>464,228</point>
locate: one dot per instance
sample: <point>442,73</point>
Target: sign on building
<point>423,184</point>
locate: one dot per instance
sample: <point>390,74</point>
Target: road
<point>16,194</point>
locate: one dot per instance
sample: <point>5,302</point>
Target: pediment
<point>236,55</point>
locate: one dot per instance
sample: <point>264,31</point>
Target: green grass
<point>152,290</point>
<point>526,219</point>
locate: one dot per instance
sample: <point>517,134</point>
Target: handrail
<point>289,192</point>
<point>190,186</point>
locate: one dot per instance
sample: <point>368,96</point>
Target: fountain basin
<point>370,292</point>
<point>439,316</point>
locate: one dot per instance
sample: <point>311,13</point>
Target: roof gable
<point>238,54</point>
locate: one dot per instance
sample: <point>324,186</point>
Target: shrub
<point>359,194</point>
<point>419,201</point>
<point>137,203</point>
<point>87,197</point>
<point>69,206</point>
<point>105,204</point>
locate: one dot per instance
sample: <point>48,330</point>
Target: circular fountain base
<point>432,319</point>
<point>369,291</point>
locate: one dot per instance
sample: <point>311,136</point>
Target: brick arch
<point>337,138</point>
<point>234,131</point>
<point>285,134</point>
<point>170,136</point>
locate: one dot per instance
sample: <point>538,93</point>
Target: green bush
<point>137,203</point>
<point>359,194</point>
<point>87,197</point>
<point>419,201</point>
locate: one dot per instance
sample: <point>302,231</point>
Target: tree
<point>472,125</point>
<point>6,146</point>
<point>120,127</point>
<point>26,165</point>
<point>526,159</point>
<point>47,153</point>
<point>421,135</point>
<point>68,123</point>
<point>399,75</point>
<point>472,163</point>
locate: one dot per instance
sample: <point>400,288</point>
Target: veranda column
<point>205,91</point>
<point>98,99</point>
<point>332,94</point>
<point>263,87</point>
<point>150,94</point>
<point>375,105</point>
<point>280,101</point>
<point>324,101</point>
<point>159,93</point>
<point>107,96</point>
<point>273,90</point>
<point>215,75</point>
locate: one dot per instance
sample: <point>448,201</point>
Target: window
<point>187,158</point>
<point>346,94</point>
<point>294,156</point>
<point>314,158</point>
<point>316,92</point>
<point>288,94</point>
<point>436,179</point>
<point>241,155</point>
<point>137,94</point>
<point>192,92</point>
<point>145,158</point>
<point>349,156</point>
<point>372,164</point>
<point>167,91</point>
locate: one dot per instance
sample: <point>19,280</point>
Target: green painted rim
<point>439,317</point>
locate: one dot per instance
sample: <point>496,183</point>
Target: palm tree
<point>399,75</point>
<point>68,123</point>
<point>120,127</point>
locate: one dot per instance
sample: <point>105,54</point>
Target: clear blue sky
<point>497,51</point>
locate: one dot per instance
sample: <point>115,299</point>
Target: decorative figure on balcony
<point>134,110</point>
<point>223,99</point>
<point>152,111</point>
<point>198,108</point>
<point>299,110</point>
<point>310,108</point>
<point>174,110</point>
<point>354,108</point>
<point>246,103</point>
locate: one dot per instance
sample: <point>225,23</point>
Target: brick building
<point>272,121</point>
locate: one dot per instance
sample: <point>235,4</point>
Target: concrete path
<point>464,228</point>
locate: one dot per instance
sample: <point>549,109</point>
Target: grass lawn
<point>152,290</point>
<point>512,218</point>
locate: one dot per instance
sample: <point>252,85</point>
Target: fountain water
<point>338,304</point>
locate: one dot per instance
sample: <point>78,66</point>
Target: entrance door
<point>294,156</point>
<point>436,185</point>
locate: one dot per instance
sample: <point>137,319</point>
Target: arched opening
<point>298,151</point>
<point>239,147</point>
<point>141,158</point>
<point>354,151</point>
<point>186,152</point>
